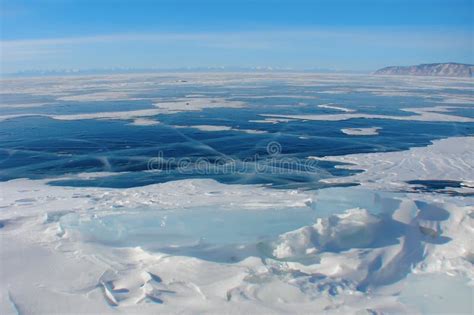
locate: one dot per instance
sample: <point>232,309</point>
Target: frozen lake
<point>275,192</point>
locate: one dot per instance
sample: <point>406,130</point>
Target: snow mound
<point>354,228</point>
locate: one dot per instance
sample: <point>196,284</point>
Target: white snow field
<point>68,250</point>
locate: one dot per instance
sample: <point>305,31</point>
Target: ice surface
<point>336,200</point>
<point>344,252</point>
<point>194,230</point>
<point>158,230</point>
<point>198,243</point>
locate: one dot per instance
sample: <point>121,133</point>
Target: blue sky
<point>360,35</point>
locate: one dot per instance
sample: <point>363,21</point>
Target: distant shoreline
<point>448,69</point>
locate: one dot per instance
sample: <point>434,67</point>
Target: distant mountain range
<point>124,70</point>
<point>448,69</point>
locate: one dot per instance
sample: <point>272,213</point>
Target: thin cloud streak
<point>342,33</point>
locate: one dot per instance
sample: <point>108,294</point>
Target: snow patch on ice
<point>370,131</point>
<point>144,122</point>
<point>437,113</point>
<point>446,159</point>
<point>179,105</point>
<point>214,128</point>
<point>339,108</point>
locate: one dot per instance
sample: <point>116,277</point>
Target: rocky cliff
<point>431,69</point>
